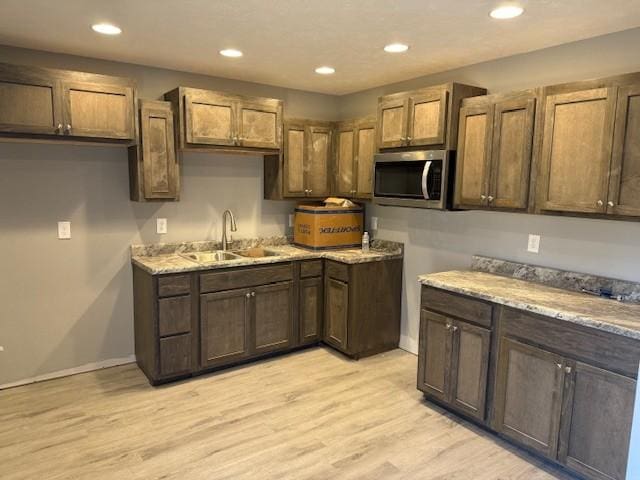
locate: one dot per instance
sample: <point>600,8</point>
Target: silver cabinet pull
<point>67,128</point>
<point>253,294</point>
<point>600,203</point>
<point>559,365</point>
<point>567,369</point>
<point>455,328</point>
<point>59,128</point>
<point>247,294</point>
<point>409,139</point>
<point>483,197</point>
<point>490,198</point>
<point>449,326</point>
<point>404,139</point>
<point>610,203</point>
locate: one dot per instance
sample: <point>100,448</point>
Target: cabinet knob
<point>449,326</point>
<point>404,139</point>
<point>310,190</point>
<point>610,203</point>
<point>559,365</point>
<point>59,128</point>
<point>483,197</point>
<point>67,128</point>
<point>490,198</point>
<point>455,328</point>
<point>248,295</point>
<point>567,369</point>
<point>600,203</point>
<point>253,294</point>
<point>409,139</point>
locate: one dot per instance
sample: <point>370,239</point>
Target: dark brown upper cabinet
<point>422,118</point>
<point>495,145</point>
<point>208,119</point>
<point>303,170</point>
<point>44,103</point>
<point>153,164</point>
<point>354,150</point>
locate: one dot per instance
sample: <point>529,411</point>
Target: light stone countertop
<point>162,263</point>
<point>580,308</point>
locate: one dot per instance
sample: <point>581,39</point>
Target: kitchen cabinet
<point>576,150</point>
<point>311,302</point>
<point>354,151</point>
<point>362,306</point>
<point>426,117</point>
<point>45,103</point>
<point>207,119</point>
<point>272,327</point>
<point>495,145</point>
<point>153,163</point>
<point>453,360</point>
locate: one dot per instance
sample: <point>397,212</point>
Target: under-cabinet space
<point>425,117</point>
<point>216,120</point>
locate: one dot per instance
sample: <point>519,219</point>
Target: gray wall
<point>68,303</point>
<point>64,304</point>
<point>437,241</point>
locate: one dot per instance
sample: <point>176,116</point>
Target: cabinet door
<point>224,327</point>
<point>434,357</point>
<point>474,153</point>
<point>98,111</point>
<point>576,151</point>
<point>529,396</point>
<point>260,124</point>
<point>318,161</point>
<point>29,105</point>
<point>427,118</point>
<point>511,153</point>
<point>596,422</point>
<point>175,355</point>
<point>345,160</point>
<point>210,119</point>
<point>469,368</point>
<point>294,160</point>
<point>337,313</point>
<point>624,187</point>
<point>272,317</point>
<point>311,303</point>
<point>392,122</point>
<point>365,150</point>
<point>159,163</point>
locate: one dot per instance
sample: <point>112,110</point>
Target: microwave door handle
<point>425,175</point>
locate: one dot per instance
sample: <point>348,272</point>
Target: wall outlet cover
<point>161,226</point>
<point>292,219</point>
<point>64,230</point>
<point>374,223</point>
<point>533,245</point>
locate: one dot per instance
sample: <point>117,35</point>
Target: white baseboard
<point>87,367</point>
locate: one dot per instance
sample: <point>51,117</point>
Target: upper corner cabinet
<point>422,118</point>
<point>208,119</point>
<point>45,103</point>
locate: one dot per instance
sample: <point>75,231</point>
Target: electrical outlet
<point>374,223</point>
<point>64,230</point>
<point>533,245</point>
<point>1,348</point>
<point>161,226</point>
<point>292,220</point>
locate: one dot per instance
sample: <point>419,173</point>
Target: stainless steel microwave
<point>422,179</point>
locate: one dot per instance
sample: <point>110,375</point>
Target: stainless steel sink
<point>210,257</point>
<point>257,252</point>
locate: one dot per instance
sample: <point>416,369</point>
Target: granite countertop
<point>563,304</point>
<point>171,258</point>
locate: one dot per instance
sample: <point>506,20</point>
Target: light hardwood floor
<point>308,415</point>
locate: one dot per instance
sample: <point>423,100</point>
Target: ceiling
<point>285,40</point>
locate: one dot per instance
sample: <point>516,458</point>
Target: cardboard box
<point>327,227</point>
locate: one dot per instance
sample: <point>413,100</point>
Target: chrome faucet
<point>225,242</point>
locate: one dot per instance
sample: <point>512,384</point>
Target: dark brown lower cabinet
<point>453,362</point>
<point>311,310</point>
<point>337,309</point>
<point>272,314</point>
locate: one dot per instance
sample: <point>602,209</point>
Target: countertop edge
<point>533,308</point>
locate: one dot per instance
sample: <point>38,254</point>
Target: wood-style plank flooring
<point>308,415</point>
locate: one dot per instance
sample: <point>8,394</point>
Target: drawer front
<point>611,352</point>
<point>174,285</point>
<point>339,271</point>
<point>312,268</point>
<point>174,315</point>
<point>475,311</point>
<point>246,277</point>
<point>175,355</point>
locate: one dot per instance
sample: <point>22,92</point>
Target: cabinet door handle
<point>559,365</point>
<point>600,203</point>
<point>490,198</point>
<point>610,203</point>
<point>483,197</point>
<point>59,128</point>
<point>455,328</point>
<point>247,294</point>
<point>253,294</point>
<point>67,128</point>
<point>409,139</point>
<point>449,326</point>
<point>567,369</point>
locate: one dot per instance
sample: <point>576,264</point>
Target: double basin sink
<point>227,255</point>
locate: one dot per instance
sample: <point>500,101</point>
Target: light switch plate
<point>161,226</point>
<point>374,223</point>
<point>64,230</point>
<point>533,245</point>
<point>292,219</point>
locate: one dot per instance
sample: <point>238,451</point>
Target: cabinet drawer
<point>337,270</point>
<point>606,350</point>
<point>247,277</point>
<point>174,315</point>
<point>475,311</point>
<point>312,268</point>
<point>174,285</point>
<point>175,355</point>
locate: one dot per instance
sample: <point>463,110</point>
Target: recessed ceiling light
<point>106,29</point>
<point>396,48</point>
<point>506,12</point>
<point>231,52</point>
<point>325,70</point>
